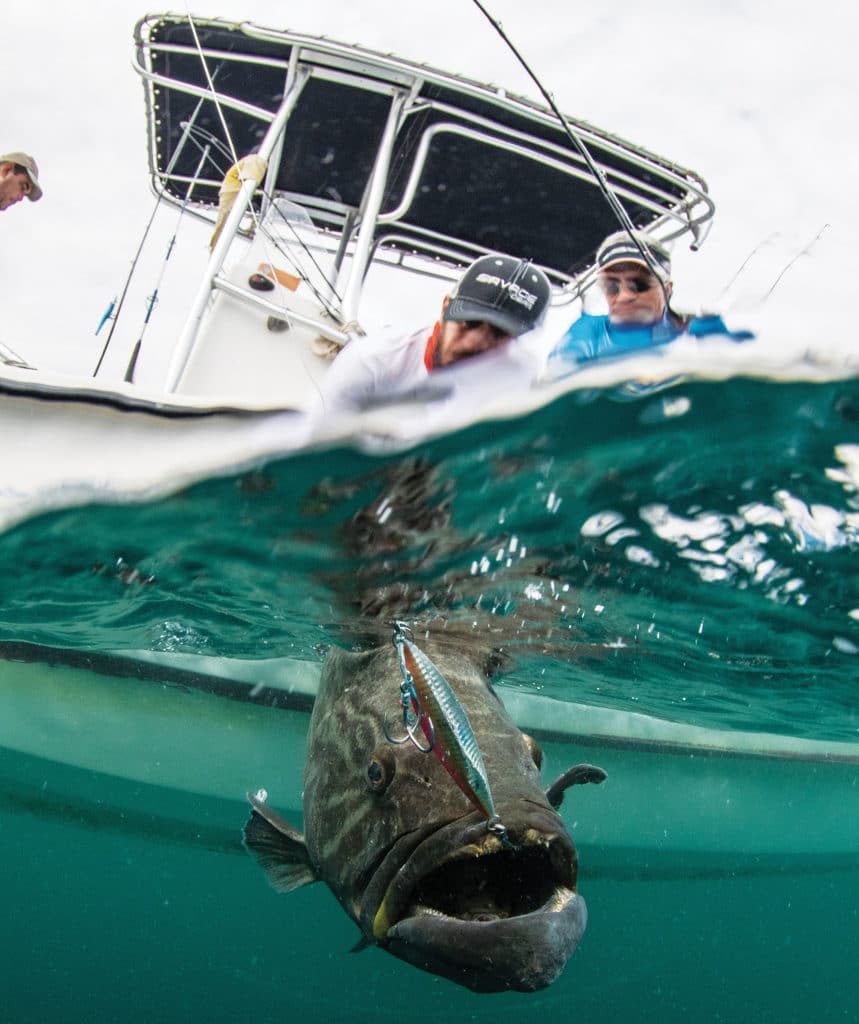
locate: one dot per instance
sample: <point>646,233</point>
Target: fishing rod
<point>153,298</point>
<point>614,203</point>
<point>117,306</point>
<point>210,82</point>
<point>188,128</point>
<point>201,136</point>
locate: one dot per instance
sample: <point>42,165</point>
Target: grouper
<point>421,871</point>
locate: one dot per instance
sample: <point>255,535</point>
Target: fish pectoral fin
<point>279,849</point>
<point>362,944</point>
<point>578,775</point>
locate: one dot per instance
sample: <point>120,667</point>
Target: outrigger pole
<point>612,200</point>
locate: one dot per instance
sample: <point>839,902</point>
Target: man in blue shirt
<point>634,274</point>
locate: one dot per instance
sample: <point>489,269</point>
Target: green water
<point>689,560</point>
<point>157,915</point>
<point>115,928</point>
<point>698,567</point>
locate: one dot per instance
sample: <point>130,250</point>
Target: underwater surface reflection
<point>631,567</point>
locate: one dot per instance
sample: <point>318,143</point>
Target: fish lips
<point>488,914</point>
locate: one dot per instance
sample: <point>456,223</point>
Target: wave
<point>685,551</point>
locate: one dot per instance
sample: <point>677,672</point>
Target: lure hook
<point>497,828</point>
<point>412,711</point>
<point>428,701</point>
<point>390,738</point>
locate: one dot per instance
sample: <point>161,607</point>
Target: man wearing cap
<point>634,275</point>
<point>19,177</point>
<point>497,299</point>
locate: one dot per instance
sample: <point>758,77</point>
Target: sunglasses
<point>496,332</point>
<point>637,285</point>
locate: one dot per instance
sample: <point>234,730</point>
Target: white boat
<point>385,178</point>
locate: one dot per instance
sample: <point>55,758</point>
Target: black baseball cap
<point>510,294</point>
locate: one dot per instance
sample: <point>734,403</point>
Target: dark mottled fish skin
<point>381,819</point>
<point>346,734</point>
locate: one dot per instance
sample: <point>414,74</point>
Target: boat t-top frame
<point>387,160</point>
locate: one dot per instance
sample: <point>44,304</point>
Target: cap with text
<point>512,295</point>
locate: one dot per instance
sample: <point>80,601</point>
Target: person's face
<point>13,187</point>
<point>462,339</point>
<point>633,294</point>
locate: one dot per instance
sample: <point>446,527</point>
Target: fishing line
<point>188,128</point>
<point>153,298</point>
<point>114,316</point>
<point>746,261</point>
<point>270,237</point>
<point>216,101</point>
<point>614,203</point>
<point>213,142</point>
<point>803,252</point>
<point>253,212</point>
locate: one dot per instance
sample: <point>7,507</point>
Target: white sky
<point>757,96</point>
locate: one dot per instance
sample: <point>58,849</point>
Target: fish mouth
<point>487,912</point>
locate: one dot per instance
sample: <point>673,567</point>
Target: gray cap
<point>620,248</point>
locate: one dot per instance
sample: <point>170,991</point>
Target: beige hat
<point>27,162</point>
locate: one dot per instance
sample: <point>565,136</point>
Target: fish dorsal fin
<point>279,849</point>
<point>578,775</point>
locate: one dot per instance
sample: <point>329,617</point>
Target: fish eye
<point>379,772</point>
<point>535,750</point>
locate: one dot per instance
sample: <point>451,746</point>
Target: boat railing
<point>287,314</point>
<point>231,225</point>
<point>682,217</point>
<point>226,99</point>
<point>415,180</point>
<point>561,156</point>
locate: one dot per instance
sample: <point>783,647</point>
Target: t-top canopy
<point>469,168</point>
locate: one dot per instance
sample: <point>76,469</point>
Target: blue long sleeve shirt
<point>591,337</point>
